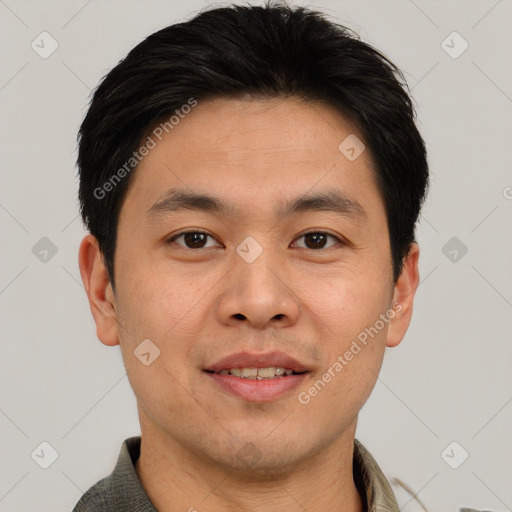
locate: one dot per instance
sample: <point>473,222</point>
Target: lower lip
<point>254,390</point>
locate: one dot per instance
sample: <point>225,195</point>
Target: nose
<point>259,293</point>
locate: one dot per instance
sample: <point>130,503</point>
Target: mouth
<point>257,377</point>
<point>270,372</point>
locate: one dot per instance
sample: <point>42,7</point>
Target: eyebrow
<point>332,200</point>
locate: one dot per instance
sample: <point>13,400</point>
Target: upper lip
<point>262,360</point>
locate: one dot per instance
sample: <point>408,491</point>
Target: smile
<point>257,373</point>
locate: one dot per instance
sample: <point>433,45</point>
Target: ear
<point>99,290</point>
<point>403,296</point>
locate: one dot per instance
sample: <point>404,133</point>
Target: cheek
<point>353,336</point>
<point>347,304</point>
<point>156,302</point>
<point>164,311</point>
<point>168,309</point>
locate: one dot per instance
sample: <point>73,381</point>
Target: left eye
<point>317,240</point>
<point>193,239</point>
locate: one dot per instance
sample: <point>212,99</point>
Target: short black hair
<point>269,51</point>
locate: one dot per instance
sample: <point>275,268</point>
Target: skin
<point>200,304</point>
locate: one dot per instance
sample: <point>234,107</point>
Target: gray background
<point>450,378</point>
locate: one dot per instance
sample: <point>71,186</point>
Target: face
<point>287,265</point>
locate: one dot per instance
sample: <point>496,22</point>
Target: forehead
<point>254,151</point>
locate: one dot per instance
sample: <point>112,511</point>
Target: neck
<point>175,479</point>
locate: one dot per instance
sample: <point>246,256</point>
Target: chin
<point>258,458</point>
<point>254,465</point>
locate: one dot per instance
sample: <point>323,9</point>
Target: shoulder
<point>121,490</point>
<point>95,499</point>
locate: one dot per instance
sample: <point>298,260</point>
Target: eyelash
<point>174,237</point>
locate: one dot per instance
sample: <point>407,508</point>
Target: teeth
<point>266,372</point>
<point>249,372</point>
<point>257,373</point>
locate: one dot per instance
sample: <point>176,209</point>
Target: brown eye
<point>317,240</point>
<point>192,239</point>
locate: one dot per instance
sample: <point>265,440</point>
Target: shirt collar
<point>123,492</point>
<point>375,487</point>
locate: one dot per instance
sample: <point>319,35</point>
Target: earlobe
<point>403,297</point>
<point>99,290</point>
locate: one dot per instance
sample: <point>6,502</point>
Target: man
<point>251,180</point>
